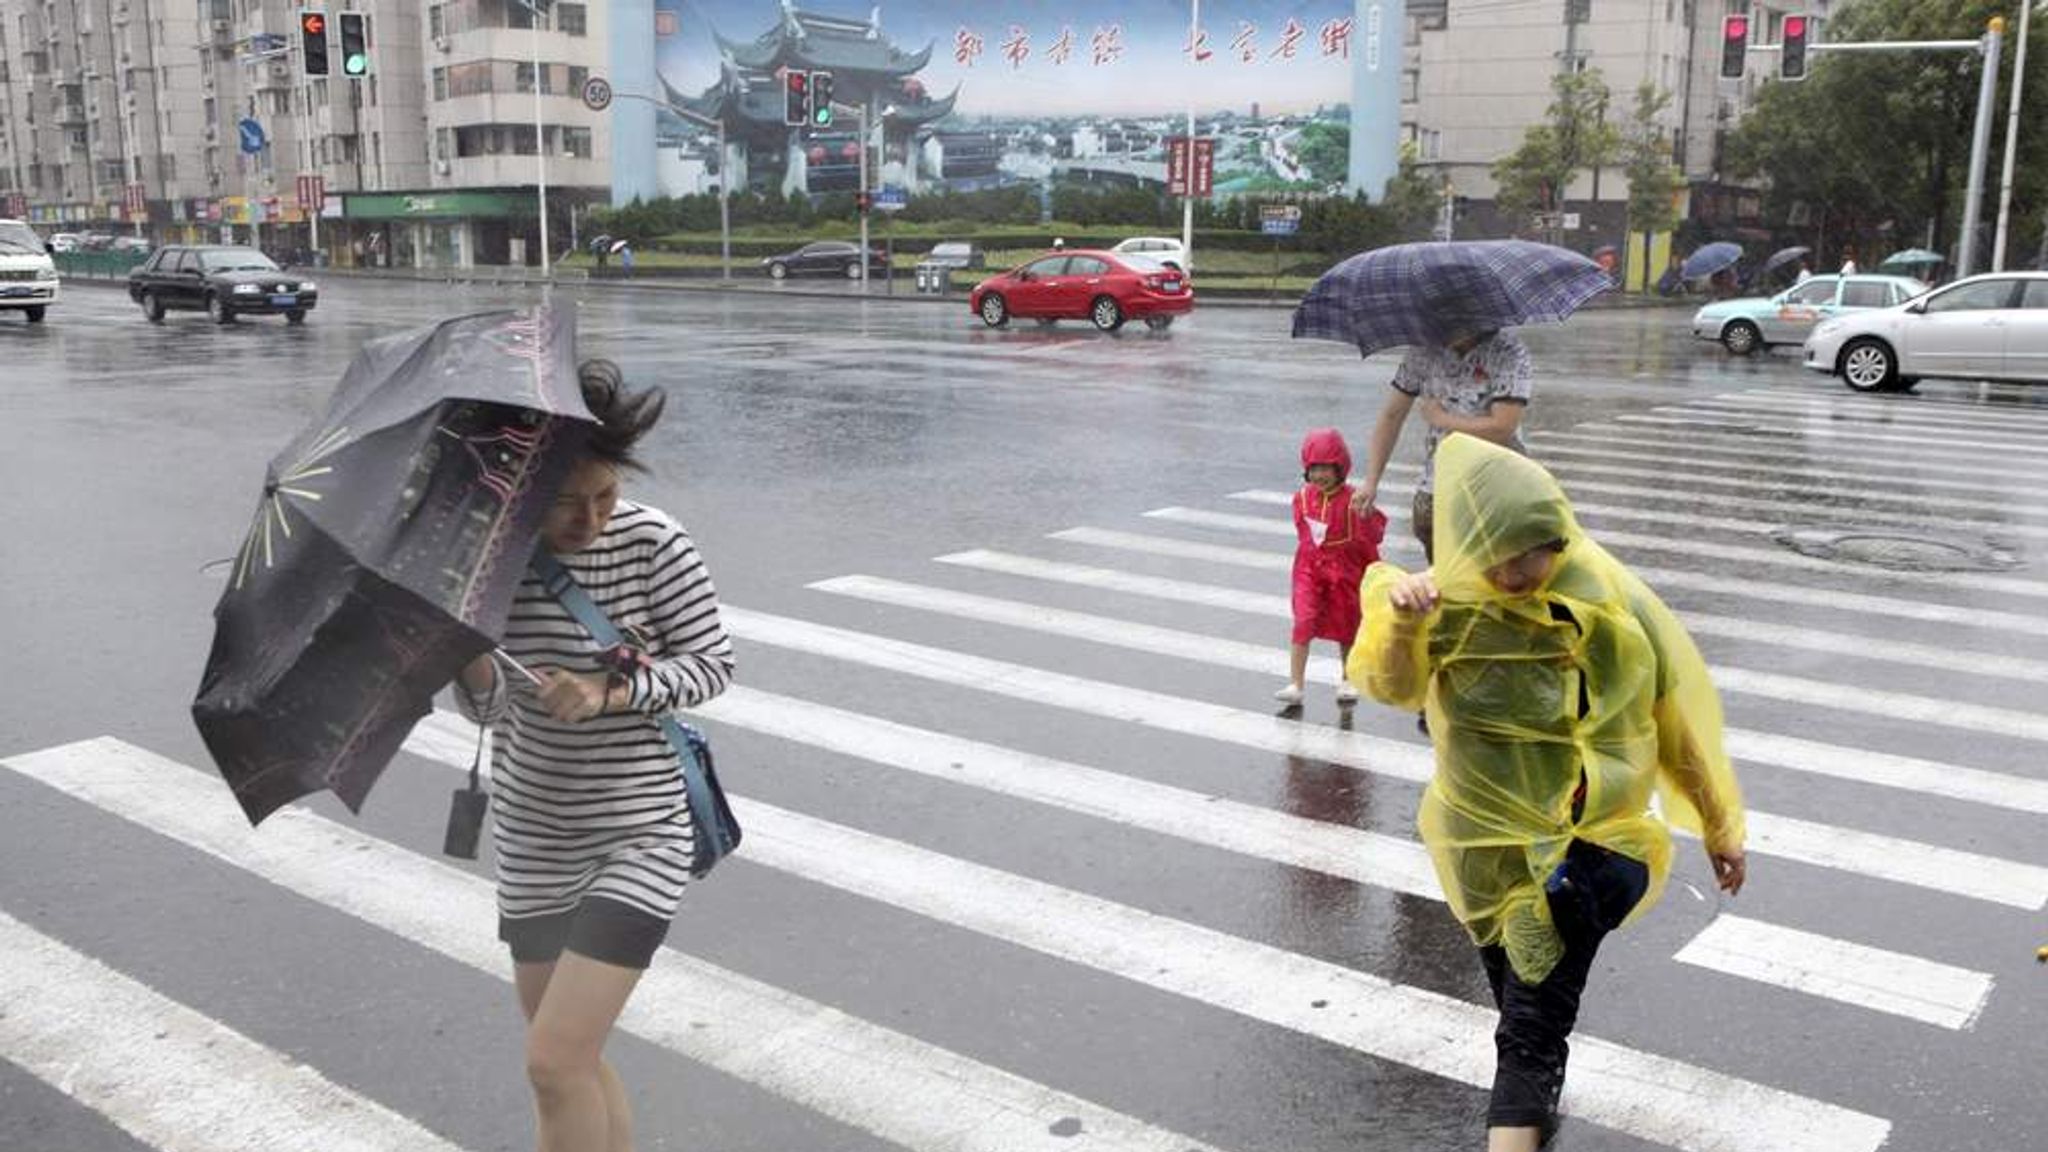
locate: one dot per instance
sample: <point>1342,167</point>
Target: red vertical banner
<point>17,205</point>
<point>1204,168</point>
<point>137,201</point>
<point>1177,157</point>
<point>312,192</point>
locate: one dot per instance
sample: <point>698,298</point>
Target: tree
<point>1874,147</point>
<point>1414,198</point>
<point>1575,136</point>
<point>1325,150</point>
<point>1653,181</point>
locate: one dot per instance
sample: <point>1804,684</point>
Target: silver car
<point>1990,327</point>
<point>1755,323</point>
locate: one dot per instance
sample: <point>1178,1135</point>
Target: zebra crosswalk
<point>902,735</point>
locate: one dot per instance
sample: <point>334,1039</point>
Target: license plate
<point>285,301</point>
<point>16,290</point>
<point>1170,285</point>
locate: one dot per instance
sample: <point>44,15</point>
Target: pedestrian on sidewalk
<point>1563,697</point>
<point>594,836</point>
<point>1476,383</point>
<point>1336,545</point>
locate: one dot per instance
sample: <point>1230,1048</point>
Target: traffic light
<point>1734,47</point>
<point>355,45</point>
<point>821,99</point>
<point>796,107</point>
<point>1792,46</point>
<point>313,40</point>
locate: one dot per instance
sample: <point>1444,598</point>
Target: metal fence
<point>98,265</point>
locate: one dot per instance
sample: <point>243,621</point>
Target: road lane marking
<point>1882,981</point>
<point>1768,452</point>
<point>1890,858</point>
<point>167,1075</point>
<point>1950,781</point>
<point>913,1094</point>
<point>1710,422</point>
<point>1883,413</point>
<point>1648,1096</point>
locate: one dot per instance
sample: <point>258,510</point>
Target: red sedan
<point>1104,287</point>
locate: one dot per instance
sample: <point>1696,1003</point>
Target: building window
<point>517,14</point>
<point>444,143</point>
<point>1411,82</point>
<point>578,77</point>
<point>472,79</point>
<point>440,83</point>
<point>576,142</point>
<point>522,77</point>
<point>437,21</point>
<point>572,18</point>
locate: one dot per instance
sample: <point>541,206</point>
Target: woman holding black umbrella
<point>594,834</point>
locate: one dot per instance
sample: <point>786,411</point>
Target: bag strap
<point>561,584</point>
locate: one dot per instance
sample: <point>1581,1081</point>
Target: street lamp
<point>538,9</point>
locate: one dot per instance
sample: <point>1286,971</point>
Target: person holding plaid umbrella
<point>1448,303</point>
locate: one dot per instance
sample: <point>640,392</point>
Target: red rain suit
<point>1336,546</point>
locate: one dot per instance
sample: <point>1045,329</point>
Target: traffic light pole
<point>2012,138</point>
<point>863,198</point>
<point>1987,106</point>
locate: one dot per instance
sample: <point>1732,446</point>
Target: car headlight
<point>308,286</point>
<point>49,273</point>
<point>248,289</point>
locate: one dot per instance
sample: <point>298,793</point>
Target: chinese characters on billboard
<point>1039,92</point>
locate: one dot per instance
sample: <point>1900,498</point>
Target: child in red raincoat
<point>1336,545</point>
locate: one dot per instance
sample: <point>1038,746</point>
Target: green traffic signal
<point>356,65</point>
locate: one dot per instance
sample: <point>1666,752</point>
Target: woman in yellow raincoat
<point>1563,699</point>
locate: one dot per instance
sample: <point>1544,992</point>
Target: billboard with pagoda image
<point>1298,96</point>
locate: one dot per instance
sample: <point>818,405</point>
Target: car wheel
<point>778,271</point>
<point>35,313</point>
<point>995,311</point>
<point>153,307</point>
<point>295,316</point>
<point>1869,366</point>
<point>219,310</point>
<point>1741,338</point>
<point>853,271</point>
<point>1105,313</point>
<point>1159,323</point>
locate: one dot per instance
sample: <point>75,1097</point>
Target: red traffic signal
<point>1734,47</point>
<point>313,41</point>
<point>796,104</point>
<point>1796,31</point>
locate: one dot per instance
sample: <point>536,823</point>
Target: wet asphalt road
<point>1197,974</point>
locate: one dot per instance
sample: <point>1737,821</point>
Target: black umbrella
<point>1782,257</point>
<point>385,550</point>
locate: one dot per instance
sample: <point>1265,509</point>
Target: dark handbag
<point>718,831</point>
<point>466,812</point>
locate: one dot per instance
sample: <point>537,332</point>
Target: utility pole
<point>1980,148</point>
<point>1187,207</point>
<point>2012,138</point>
<point>867,102</point>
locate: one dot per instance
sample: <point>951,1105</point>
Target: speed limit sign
<point>597,93</point>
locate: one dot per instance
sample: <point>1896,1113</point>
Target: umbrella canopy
<point>1710,259</point>
<point>1782,257</point>
<point>1437,293</point>
<point>1913,258</point>
<point>384,552</point>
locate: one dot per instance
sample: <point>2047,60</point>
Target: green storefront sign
<point>437,205</point>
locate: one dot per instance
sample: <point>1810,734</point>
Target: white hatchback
<point>1990,327</point>
<point>1164,249</point>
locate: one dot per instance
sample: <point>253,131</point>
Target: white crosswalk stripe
<point>1772,452</point>
<point>1631,1091</point>
<point>1979,446</point>
<point>167,1075</point>
<point>1885,857</point>
<point>1895,415</point>
<point>1939,994</point>
<point>901,1089</point>
<point>1862,488</point>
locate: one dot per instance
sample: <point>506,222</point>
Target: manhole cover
<point>1898,550</point>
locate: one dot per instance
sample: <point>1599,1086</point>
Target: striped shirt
<point>597,808</point>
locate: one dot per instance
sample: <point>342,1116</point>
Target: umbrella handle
<point>516,666</point>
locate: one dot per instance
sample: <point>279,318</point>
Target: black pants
<point>1590,895</point>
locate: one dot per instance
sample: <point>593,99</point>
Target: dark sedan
<point>825,258</point>
<point>224,282</point>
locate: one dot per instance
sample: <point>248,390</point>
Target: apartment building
<point>196,119</point>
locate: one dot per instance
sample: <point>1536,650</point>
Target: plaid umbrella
<point>1437,293</point>
<point>1710,259</point>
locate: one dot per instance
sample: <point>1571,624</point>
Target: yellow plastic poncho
<point>1588,677</point>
